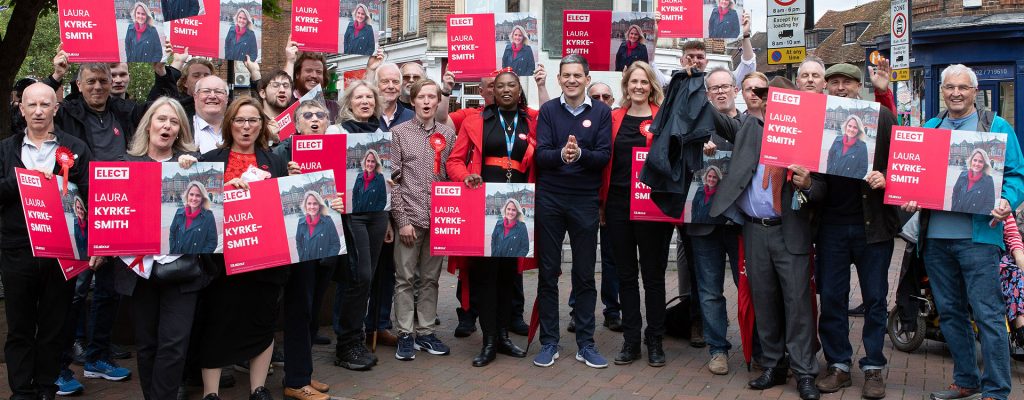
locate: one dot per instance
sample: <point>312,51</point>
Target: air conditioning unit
<point>241,79</point>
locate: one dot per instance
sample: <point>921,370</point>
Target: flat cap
<point>848,70</point>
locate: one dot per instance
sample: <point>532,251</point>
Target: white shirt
<point>207,137</point>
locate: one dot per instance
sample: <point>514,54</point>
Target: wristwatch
<point>446,94</point>
<point>746,36</point>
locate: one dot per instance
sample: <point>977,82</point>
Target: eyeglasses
<point>212,92</point>
<point>276,85</point>
<point>721,88</point>
<point>246,121</point>
<point>411,78</point>
<point>309,115</point>
<point>961,88</point>
<point>604,96</point>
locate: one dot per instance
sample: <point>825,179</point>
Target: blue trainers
<point>67,384</point>
<point>547,356</point>
<point>431,344</point>
<point>406,347</point>
<point>106,369</point>
<point>591,357</point>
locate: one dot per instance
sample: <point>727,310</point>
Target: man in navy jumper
<point>573,147</point>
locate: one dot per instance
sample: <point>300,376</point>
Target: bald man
<point>38,296</point>
<point>211,99</point>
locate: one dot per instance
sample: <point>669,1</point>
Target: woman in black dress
<point>141,42</point>
<point>240,41</point>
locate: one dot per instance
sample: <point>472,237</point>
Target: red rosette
<point>645,129</point>
<point>66,160</point>
<point>438,142</point>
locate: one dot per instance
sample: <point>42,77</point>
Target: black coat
<point>238,49</point>
<point>13,231</point>
<point>979,199</point>
<point>853,164</point>
<point>729,28</point>
<point>198,238</point>
<point>322,243</point>
<point>622,61</point>
<point>177,9</point>
<point>700,211</point>
<point>516,244</point>
<point>148,48</point>
<point>81,239</point>
<point>374,198</point>
<point>364,44</point>
<point>522,64</point>
<point>685,122</point>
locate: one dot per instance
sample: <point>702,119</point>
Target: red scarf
<point>357,27</point>
<point>139,28</point>
<point>515,50</point>
<point>508,225</point>
<point>81,223</point>
<point>722,12</point>
<point>312,222</point>
<point>848,142</point>
<point>367,177</point>
<point>189,216</point>
<point>972,179</point>
<point>630,46</point>
<point>708,192</point>
<point>238,33</point>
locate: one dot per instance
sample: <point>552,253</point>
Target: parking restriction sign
<point>898,13</point>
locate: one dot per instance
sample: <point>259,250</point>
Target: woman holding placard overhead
<point>141,41</point>
<point>241,41</point>
<point>848,155</point>
<point>975,190</point>
<point>630,123</point>
<point>518,53</point>
<point>632,48</point>
<point>495,145</point>
<point>359,36</point>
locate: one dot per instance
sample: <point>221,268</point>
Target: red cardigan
<point>617,115</point>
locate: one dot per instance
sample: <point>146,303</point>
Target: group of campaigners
<point>576,147</point>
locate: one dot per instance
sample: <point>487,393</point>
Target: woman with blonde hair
<point>848,155</point>
<point>361,107</point>
<point>701,205</point>
<point>193,229</point>
<point>975,191</point>
<point>315,235</point>
<point>141,41</point>
<point>240,43</point>
<point>81,228</point>
<point>510,238</point>
<point>518,53</point>
<point>369,193</point>
<point>359,36</point>
<point>632,48</point>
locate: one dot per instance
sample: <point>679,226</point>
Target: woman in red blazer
<point>641,95</point>
<point>495,145</point>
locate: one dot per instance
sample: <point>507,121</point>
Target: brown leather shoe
<point>833,380</point>
<point>319,386</point>
<point>304,393</point>
<point>874,385</point>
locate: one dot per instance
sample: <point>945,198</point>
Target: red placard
<point>793,128</point>
<point>71,268</point>
<point>681,19</point>
<point>470,222</point>
<point>641,207</point>
<point>88,32</point>
<point>124,208</point>
<point>322,153</point>
<point>588,33</point>
<point>352,76</point>
<point>48,225</point>
<point>471,43</point>
<point>254,232</point>
<point>200,34</point>
<point>285,121</point>
<point>315,26</point>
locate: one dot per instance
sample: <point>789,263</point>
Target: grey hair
<point>959,69</point>
<point>100,67</point>
<point>810,59</point>
<point>222,81</point>
<point>592,85</point>
<point>311,103</point>
<point>717,70</point>
<point>575,59</point>
<point>390,65</point>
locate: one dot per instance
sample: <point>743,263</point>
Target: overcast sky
<point>758,7</point>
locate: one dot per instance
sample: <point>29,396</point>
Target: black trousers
<point>518,299</point>
<point>298,312</point>
<point>492,288</point>
<point>367,232</point>
<point>163,325</point>
<point>37,302</point>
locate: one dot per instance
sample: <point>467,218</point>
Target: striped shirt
<point>1011,234</point>
<point>412,160</point>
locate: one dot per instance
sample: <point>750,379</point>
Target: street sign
<point>784,7</point>
<point>899,57</point>
<point>900,32</point>
<point>786,31</point>
<point>790,55</point>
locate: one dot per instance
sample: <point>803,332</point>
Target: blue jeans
<point>956,268</point>
<point>838,247</point>
<point>609,280</point>
<point>102,313</point>
<point>709,266</point>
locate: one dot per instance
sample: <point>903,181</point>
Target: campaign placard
<point>88,32</point>
<point>827,134</point>
<point>142,29</point>
<point>703,188</point>
<point>71,268</point>
<point>940,169</point>
<point>321,153</point>
<point>478,44</point>
<point>356,29</point>
<point>367,172</point>
<point>719,19</point>
<point>641,207</point>
<point>281,221</point>
<point>56,223</point>
<point>609,40</point>
<point>143,208</point>
<point>230,29</point>
<point>199,34</point>
<point>493,220</point>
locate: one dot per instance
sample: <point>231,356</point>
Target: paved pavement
<point>909,376</point>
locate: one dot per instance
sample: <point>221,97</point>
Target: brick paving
<point>909,376</point>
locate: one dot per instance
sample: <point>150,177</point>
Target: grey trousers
<point>416,314</point>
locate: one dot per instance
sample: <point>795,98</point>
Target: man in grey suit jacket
<point>777,240</point>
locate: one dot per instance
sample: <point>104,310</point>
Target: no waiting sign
<point>785,7</point>
<point>900,32</point>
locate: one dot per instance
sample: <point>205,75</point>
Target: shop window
<point>412,16</point>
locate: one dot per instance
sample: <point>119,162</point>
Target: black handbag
<point>185,269</point>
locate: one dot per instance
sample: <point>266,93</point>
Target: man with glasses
<point>275,91</point>
<point>961,254</point>
<point>411,72</point>
<point>600,91</point>
<point>211,99</point>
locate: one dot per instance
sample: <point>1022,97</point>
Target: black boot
<point>487,352</point>
<point>655,352</point>
<point>506,347</point>
<point>467,323</point>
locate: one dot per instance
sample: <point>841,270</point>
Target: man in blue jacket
<point>573,147</point>
<point>961,254</point>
